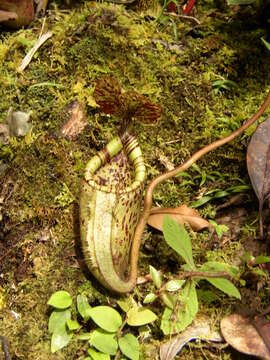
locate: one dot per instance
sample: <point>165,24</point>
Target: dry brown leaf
<point>182,214</point>
<point>258,164</point>
<point>200,329</point>
<point>7,15</point>
<point>239,332</point>
<point>76,121</point>
<point>24,10</point>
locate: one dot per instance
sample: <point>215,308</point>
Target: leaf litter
<point>258,164</point>
<point>242,333</point>
<point>182,214</point>
<point>55,148</point>
<point>200,329</point>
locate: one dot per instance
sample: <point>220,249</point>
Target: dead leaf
<point>76,120</point>
<point>7,15</point>
<point>24,10</point>
<point>239,332</point>
<point>258,164</point>
<point>200,329</point>
<point>181,214</point>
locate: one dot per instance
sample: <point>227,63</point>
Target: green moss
<point>41,187</point>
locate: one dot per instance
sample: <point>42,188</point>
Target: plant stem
<point>203,274</point>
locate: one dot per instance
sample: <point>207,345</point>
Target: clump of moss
<point>41,185</point>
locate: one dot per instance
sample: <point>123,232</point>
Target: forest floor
<point>183,65</point>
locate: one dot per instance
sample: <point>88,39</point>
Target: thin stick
<point>202,274</point>
<point>187,17</point>
<point>27,59</point>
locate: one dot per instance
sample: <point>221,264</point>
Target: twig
<point>27,59</point>
<point>124,2</point>
<point>42,28</point>
<point>203,274</point>
<point>117,355</point>
<point>192,18</point>
<point>119,332</point>
<point>5,348</point>
<point>172,141</point>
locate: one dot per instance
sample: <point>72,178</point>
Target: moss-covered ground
<point>174,64</point>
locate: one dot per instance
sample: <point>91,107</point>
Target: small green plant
<point>179,294</point>
<point>105,340</point>
<point>222,84</point>
<point>219,228</point>
<point>256,265</point>
<point>64,198</point>
<point>201,178</point>
<point>164,18</point>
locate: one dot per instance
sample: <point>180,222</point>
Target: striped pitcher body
<point>110,203</point>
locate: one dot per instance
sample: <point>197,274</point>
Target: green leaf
<point>106,317</point>
<point>60,338</point>
<point>84,336</point>
<point>215,266</point>
<point>240,2</point>
<point>226,286</point>
<point>149,298</point>
<point>97,355</point>
<point>266,43</point>
<point>178,239</point>
<point>168,299</point>
<point>138,316</point>
<point>174,321</point>
<point>156,277</point>
<point>220,229</point>
<point>58,319</point>
<point>125,304</point>
<point>73,324</point>
<point>261,259</point>
<point>60,300</point>
<point>104,342</point>
<point>203,178</point>
<point>201,201</point>
<point>129,345</point>
<point>238,188</point>
<point>259,272</point>
<point>221,194</point>
<point>174,285</point>
<point>83,307</point>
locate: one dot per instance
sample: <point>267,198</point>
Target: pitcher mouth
<point>113,189</point>
<point>131,147</point>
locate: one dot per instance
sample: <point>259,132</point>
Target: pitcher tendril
<point>111,228</point>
